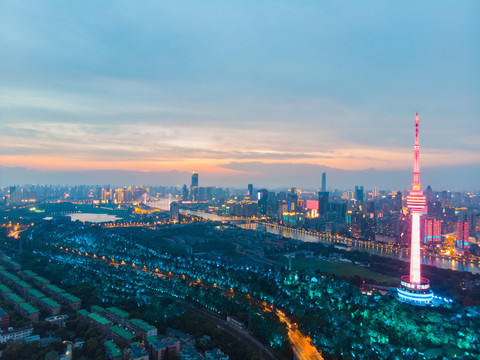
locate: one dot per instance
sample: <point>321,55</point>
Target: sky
<point>235,88</point>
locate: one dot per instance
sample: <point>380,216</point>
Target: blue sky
<point>213,86</point>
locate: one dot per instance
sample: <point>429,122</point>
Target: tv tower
<point>414,288</point>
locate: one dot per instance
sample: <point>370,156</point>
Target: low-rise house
<point>34,294</point>
<point>23,286</point>
<point>54,290</point>
<point>116,315</point>
<point>59,320</point>
<point>12,334</point>
<point>136,351</point>
<point>141,328</point>
<point>215,354</point>
<point>41,281</point>
<point>112,351</point>
<point>29,311</point>
<point>50,305</point>
<point>118,333</point>
<point>101,323</point>
<point>4,318</point>
<point>74,302</point>
<point>157,349</point>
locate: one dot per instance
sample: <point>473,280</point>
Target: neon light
<point>414,288</point>
<point>415,275</point>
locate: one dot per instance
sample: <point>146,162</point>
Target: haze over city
<point>239,91</point>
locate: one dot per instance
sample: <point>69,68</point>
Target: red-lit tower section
<point>413,287</point>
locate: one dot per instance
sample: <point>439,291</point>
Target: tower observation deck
<point>414,288</point>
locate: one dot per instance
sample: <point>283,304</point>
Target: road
<point>302,344</point>
<point>241,335</point>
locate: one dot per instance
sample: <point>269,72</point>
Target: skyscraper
<point>322,203</point>
<point>359,195</point>
<point>324,182</point>
<point>463,233</point>
<point>250,191</point>
<point>194,187</point>
<point>433,231</point>
<point>414,288</point>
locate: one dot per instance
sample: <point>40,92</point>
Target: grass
<point>339,268</point>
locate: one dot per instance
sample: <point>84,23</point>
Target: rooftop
<point>9,276</point>
<point>70,297</point>
<point>142,324</point>
<point>99,319</point>
<point>50,302</point>
<point>11,262</point>
<point>113,349</point>
<point>24,284</point>
<point>117,312</point>
<point>83,312</point>
<point>55,289</point>
<point>35,293</point>
<point>97,308</point>
<point>42,280</point>
<point>30,273</point>
<point>28,308</point>
<point>4,289</point>
<point>15,298</point>
<point>125,334</point>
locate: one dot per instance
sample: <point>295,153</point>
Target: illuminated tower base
<point>415,293</point>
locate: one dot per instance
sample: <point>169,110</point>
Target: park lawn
<point>339,268</point>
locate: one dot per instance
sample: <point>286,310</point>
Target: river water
<point>372,248</point>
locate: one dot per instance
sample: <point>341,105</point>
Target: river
<point>440,261</point>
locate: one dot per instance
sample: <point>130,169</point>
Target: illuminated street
<point>302,345</point>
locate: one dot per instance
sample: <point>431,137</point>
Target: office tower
<point>194,187</point>
<point>359,195</point>
<point>250,190</point>
<point>174,210</point>
<point>262,201</point>
<point>292,200</point>
<point>185,193</point>
<point>398,201</point>
<point>324,182</point>
<point>414,288</point>
<point>463,233</point>
<point>322,203</point>
<point>433,231</point>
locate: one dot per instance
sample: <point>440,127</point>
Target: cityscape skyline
<point>232,180</point>
<point>183,96</point>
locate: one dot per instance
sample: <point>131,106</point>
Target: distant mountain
<point>239,174</point>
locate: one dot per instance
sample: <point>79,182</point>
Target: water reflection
<point>370,248</point>
<point>401,254</point>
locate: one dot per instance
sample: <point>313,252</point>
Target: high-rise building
<point>250,190</point>
<point>322,203</point>
<point>262,201</point>
<point>185,193</point>
<point>359,195</point>
<point>414,288</point>
<point>463,233</point>
<point>398,201</point>
<point>324,182</point>
<point>194,187</point>
<point>174,210</point>
<point>433,231</point>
